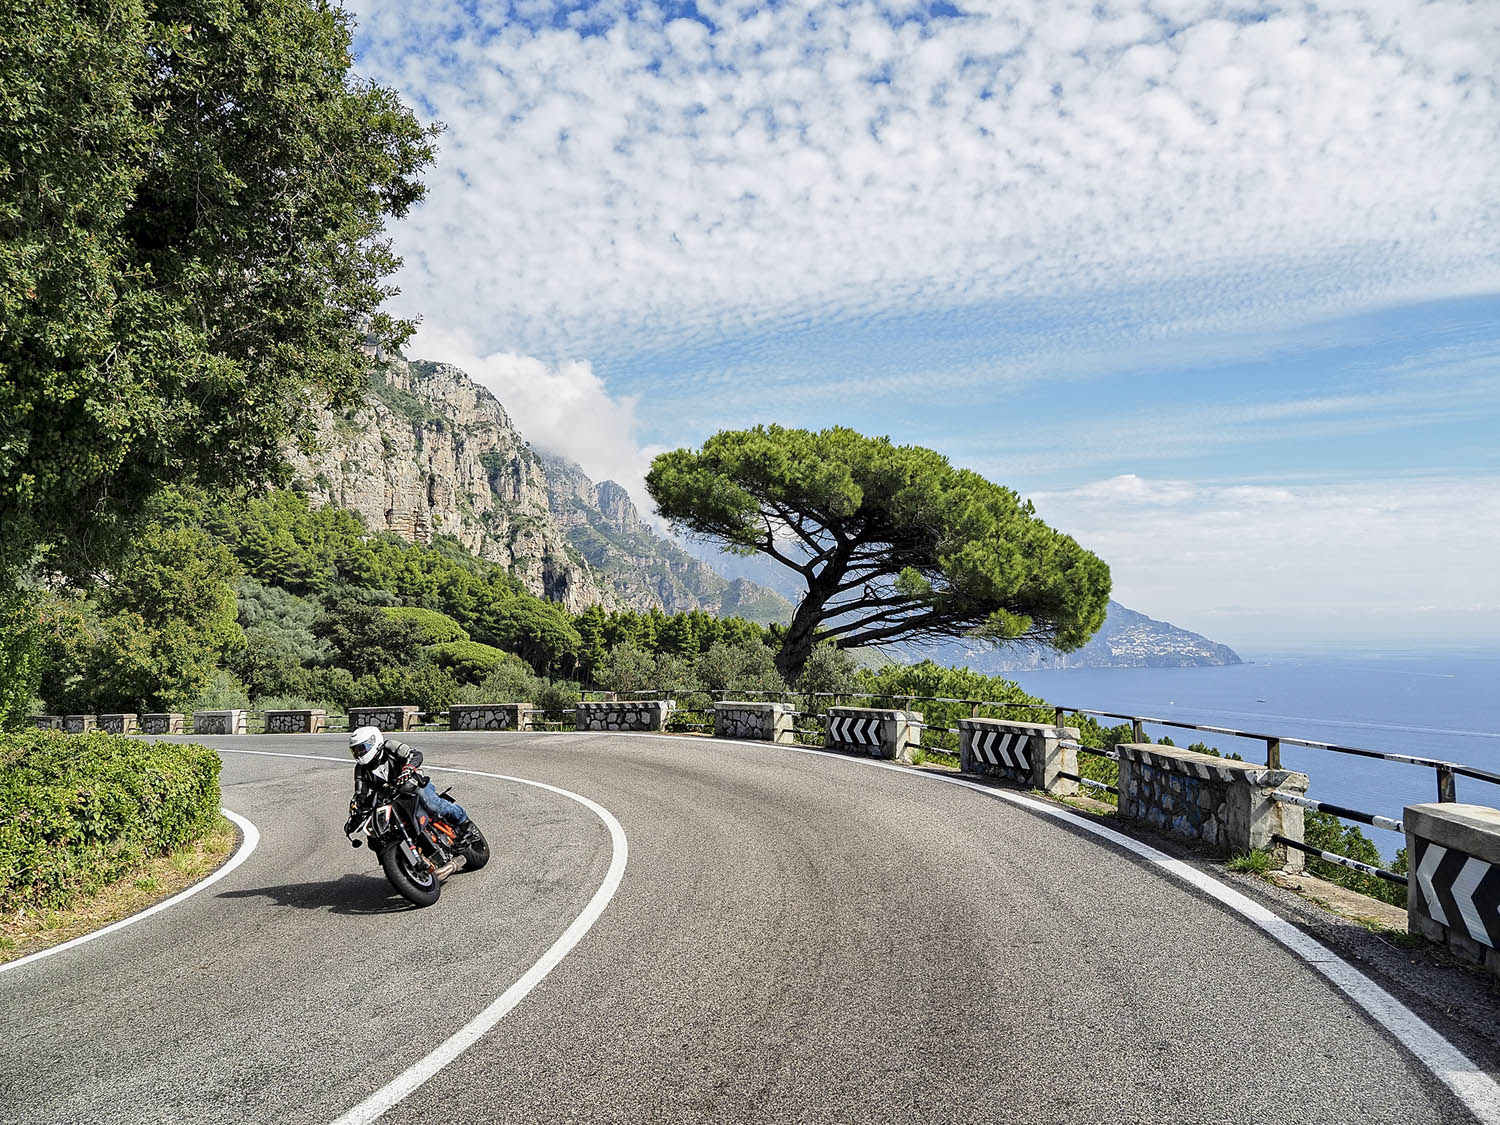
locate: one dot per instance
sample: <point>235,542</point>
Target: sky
<point>1216,285</point>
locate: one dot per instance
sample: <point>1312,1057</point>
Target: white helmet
<point>365,743</point>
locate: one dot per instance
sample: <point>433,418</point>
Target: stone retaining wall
<point>399,717</point>
<point>766,722</point>
<point>118,722</point>
<point>877,731</point>
<point>221,722</point>
<point>490,716</point>
<point>1030,754</point>
<point>163,722</point>
<point>1453,895</point>
<point>80,724</point>
<point>624,714</point>
<point>1215,801</point>
<point>304,720</point>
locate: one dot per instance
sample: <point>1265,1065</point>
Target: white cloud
<point>663,183</point>
<point>1292,565</point>
<point>563,409</point>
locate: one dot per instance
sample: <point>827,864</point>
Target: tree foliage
<point>892,541</point>
<point>192,202</point>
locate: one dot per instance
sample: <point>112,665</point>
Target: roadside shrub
<point>79,811</point>
<point>426,685</point>
<point>224,692</point>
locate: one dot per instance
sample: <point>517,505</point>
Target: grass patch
<point>1254,862</point>
<point>30,931</point>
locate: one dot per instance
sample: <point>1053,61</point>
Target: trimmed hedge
<point>80,811</point>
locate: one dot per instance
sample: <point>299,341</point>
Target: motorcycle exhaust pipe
<point>447,869</point>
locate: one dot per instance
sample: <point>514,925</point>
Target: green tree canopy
<point>892,541</point>
<point>192,202</point>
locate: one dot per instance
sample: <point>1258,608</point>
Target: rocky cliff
<point>431,452</point>
<point>640,567</point>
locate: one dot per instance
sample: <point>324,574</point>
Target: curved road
<point>797,937</point>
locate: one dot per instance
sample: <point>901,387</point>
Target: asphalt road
<point>797,937</point>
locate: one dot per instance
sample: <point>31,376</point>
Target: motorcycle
<point>417,850</point>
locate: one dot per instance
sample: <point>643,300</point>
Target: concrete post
<point>119,722</point>
<point>1453,895</point>
<point>395,717</point>
<point>303,720</point>
<point>769,722</point>
<point>623,714</point>
<point>1032,754</point>
<point>490,716</point>
<point>234,721</point>
<point>163,722</point>
<point>877,731</point>
<point>1215,801</point>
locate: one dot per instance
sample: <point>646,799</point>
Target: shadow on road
<point>348,894</point>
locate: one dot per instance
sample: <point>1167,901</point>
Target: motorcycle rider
<point>380,765</point>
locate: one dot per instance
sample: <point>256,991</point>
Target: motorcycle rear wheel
<point>477,853</point>
<point>420,888</point>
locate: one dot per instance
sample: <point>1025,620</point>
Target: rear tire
<point>421,888</point>
<point>477,853</point>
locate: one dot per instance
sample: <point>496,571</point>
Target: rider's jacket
<point>378,779</point>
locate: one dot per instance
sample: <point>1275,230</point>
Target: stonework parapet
<point>297,720</point>
<point>399,717</point>
<point>878,731</point>
<point>80,724</point>
<point>119,722</point>
<point>764,722</point>
<point>624,714</point>
<point>236,721</point>
<point>163,722</point>
<point>490,716</point>
<point>1035,755</point>
<point>1453,872</point>
<point>1219,802</point>
<point>47,722</point>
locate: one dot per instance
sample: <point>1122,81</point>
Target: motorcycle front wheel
<point>418,887</point>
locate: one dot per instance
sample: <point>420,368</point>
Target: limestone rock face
<point>431,452</point>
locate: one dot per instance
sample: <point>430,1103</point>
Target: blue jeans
<point>448,810</point>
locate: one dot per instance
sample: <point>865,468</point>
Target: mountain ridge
<point>428,451</point>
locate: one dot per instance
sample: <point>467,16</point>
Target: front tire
<point>421,888</point>
<point>477,853</point>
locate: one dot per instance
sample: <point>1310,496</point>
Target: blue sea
<point>1439,705</point>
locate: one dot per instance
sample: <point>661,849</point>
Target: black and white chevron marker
<point>854,731</point>
<point>999,748</point>
<point>1460,890</point>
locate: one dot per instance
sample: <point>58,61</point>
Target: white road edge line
<point>1469,1083</point>
<point>250,838</point>
<point>465,1037</point>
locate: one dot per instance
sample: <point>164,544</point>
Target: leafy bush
<point>223,693</point>
<point>510,681</point>
<point>424,684</point>
<point>79,811</point>
<point>437,628</point>
<point>468,662</point>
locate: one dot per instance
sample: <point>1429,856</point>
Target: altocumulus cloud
<point>619,177</point>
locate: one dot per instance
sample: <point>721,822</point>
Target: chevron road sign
<point>999,748</point>
<point>1460,891</point>
<point>854,731</point>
